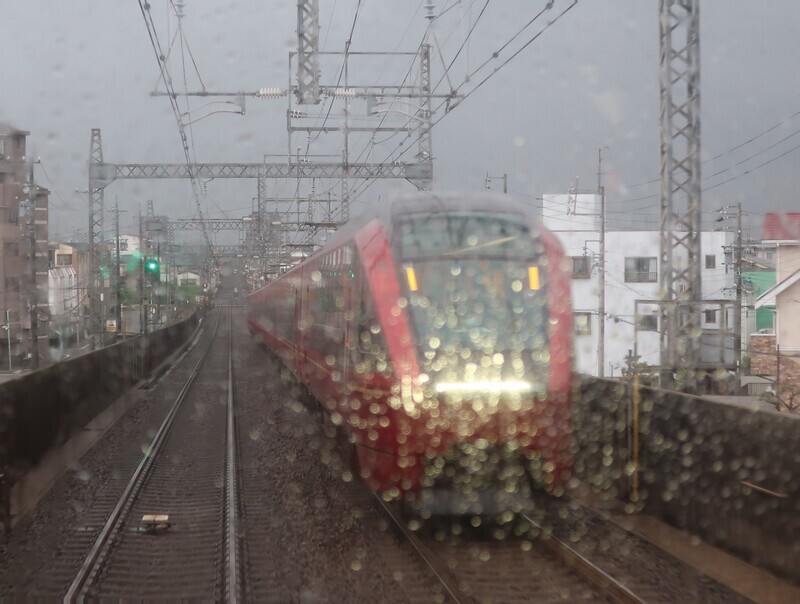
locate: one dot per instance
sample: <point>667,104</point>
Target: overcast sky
<point>589,81</point>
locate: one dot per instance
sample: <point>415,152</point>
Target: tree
<point>786,399</point>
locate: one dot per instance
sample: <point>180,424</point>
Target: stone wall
<point>784,369</point>
<point>763,360</point>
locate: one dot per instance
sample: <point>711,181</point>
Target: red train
<point>435,331</point>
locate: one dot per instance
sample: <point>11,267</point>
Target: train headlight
<point>484,387</point>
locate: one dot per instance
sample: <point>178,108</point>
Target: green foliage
<point>786,399</point>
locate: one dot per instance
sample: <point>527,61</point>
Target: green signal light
<point>152,270</point>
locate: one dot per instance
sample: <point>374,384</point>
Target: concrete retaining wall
<point>44,408</point>
<point>696,460</point>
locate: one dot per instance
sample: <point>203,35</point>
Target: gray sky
<point>589,81</point>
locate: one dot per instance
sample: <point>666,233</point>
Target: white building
<point>631,275</point>
<point>188,278</point>
<point>128,245</point>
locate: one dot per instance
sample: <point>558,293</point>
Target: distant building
<point>779,352</point>
<point>188,278</point>
<point>129,245</point>
<point>632,275</point>
<point>23,208</point>
<point>755,283</point>
<point>65,294</point>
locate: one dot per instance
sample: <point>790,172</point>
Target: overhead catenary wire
<point>403,129</point>
<point>497,52</point>
<point>66,205</point>
<point>369,183</point>
<point>167,80</point>
<point>341,71</point>
<point>463,44</point>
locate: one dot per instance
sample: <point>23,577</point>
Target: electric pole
<point>489,182</point>
<point>601,273</point>
<point>34,291</point>
<point>142,258</point>
<point>736,259</point>
<point>117,271</point>
<point>737,309</point>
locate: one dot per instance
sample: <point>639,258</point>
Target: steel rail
<point>444,577</point>
<point>588,570</point>
<point>100,549</point>
<point>232,583</point>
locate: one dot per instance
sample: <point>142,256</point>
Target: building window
<point>2,147</point>
<point>641,270</point>
<point>580,267</point>
<point>710,316</point>
<point>711,261</point>
<point>647,322</point>
<point>583,323</point>
<point>63,259</point>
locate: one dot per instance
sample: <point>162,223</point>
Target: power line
<point>750,140</point>
<point>368,184</point>
<point>341,72</point>
<point>460,48</point>
<point>53,189</point>
<point>167,79</point>
<point>496,53</point>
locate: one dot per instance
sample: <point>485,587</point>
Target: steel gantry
<point>103,174</point>
<point>307,44</point>
<point>269,234</point>
<point>96,210</point>
<point>680,187</point>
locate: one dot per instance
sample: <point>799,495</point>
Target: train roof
<point>432,202</point>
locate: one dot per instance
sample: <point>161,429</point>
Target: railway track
<point>565,553</point>
<point>470,570</point>
<point>174,531</point>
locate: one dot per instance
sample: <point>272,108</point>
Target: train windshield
<point>477,290</point>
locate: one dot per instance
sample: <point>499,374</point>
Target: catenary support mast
<point>680,189</point>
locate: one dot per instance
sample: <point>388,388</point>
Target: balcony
<point>641,276</point>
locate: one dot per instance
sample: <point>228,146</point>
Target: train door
<point>300,291</point>
<point>348,279</point>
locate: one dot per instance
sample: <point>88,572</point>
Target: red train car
<point>435,331</point>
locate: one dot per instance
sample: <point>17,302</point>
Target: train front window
<point>477,292</point>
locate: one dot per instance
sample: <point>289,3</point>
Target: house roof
<point>768,297</point>
<point>758,265</point>
<point>781,226</point>
<point>6,129</point>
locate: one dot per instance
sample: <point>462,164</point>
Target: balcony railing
<point>641,276</point>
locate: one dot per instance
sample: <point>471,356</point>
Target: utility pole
<point>737,309</point>
<point>117,271</point>
<point>601,273</point>
<point>8,334</point>
<point>736,259</point>
<point>142,297</point>
<point>34,292</point>
<point>489,181</point>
